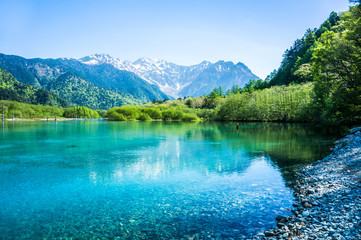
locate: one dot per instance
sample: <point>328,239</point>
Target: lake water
<point>148,180</point>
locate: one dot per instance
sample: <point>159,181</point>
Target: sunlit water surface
<point>148,180</point>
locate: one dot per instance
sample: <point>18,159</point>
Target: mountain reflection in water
<point>90,179</point>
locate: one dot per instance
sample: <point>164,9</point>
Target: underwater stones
<point>295,205</point>
<point>280,225</point>
<point>269,233</point>
<point>328,193</point>
<point>281,219</point>
<point>305,214</point>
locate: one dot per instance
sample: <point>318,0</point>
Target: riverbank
<point>42,119</point>
<point>328,195</point>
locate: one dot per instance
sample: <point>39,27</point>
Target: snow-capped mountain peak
<point>177,80</point>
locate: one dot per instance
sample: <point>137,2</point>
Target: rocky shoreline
<point>328,196</point>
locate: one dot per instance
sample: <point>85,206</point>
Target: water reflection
<point>91,179</point>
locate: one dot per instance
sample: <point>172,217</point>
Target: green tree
<point>337,71</point>
<point>303,73</point>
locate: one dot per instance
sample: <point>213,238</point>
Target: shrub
<point>115,116</point>
<point>80,112</point>
<point>102,113</point>
<point>153,113</point>
<point>167,115</point>
<point>172,114</point>
<point>189,117</point>
<point>129,112</point>
<point>144,117</point>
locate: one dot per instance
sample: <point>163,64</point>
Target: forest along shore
<point>43,119</point>
<point>328,196</point>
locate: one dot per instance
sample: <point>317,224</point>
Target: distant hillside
<point>84,93</point>
<point>11,89</point>
<point>41,72</point>
<point>177,80</point>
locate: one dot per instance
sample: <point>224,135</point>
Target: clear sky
<point>181,31</point>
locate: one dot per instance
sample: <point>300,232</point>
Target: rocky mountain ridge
<point>119,85</point>
<point>177,80</point>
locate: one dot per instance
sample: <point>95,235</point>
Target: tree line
<point>13,109</point>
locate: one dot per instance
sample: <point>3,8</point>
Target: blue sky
<point>184,32</point>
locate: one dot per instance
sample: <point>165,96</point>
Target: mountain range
<point>177,80</point>
<point>100,81</point>
<point>43,73</point>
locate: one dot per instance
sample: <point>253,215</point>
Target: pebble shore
<point>328,196</point>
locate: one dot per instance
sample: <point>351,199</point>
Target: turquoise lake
<point>149,180</point>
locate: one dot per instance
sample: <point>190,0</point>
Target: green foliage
<point>84,93</point>
<point>133,113</point>
<point>295,64</point>
<point>211,102</point>
<point>153,113</point>
<point>144,117</point>
<point>279,103</point>
<point>253,85</point>
<point>190,117</point>
<point>147,113</point>
<point>303,73</point>
<point>11,89</point>
<point>216,93</point>
<point>337,73</point>
<point>128,112</point>
<point>24,110</point>
<point>102,113</point>
<point>172,114</point>
<point>80,112</point>
<point>205,114</point>
<point>115,116</point>
<point>195,102</point>
<point>235,89</point>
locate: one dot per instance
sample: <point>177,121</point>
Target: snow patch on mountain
<point>177,80</point>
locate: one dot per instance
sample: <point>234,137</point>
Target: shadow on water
<point>290,146</point>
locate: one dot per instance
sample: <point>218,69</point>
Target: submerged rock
<point>329,193</point>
